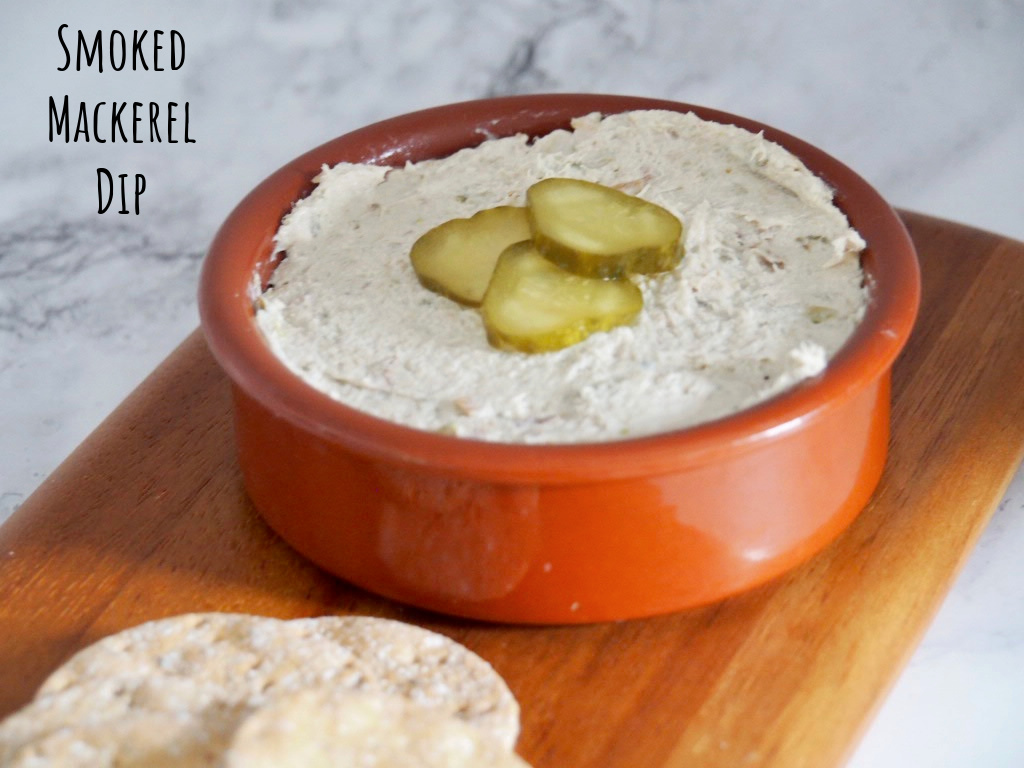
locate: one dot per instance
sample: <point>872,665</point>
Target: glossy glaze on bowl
<point>565,533</point>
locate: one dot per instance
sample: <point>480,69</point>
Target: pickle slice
<point>456,258</point>
<point>532,305</point>
<point>597,231</point>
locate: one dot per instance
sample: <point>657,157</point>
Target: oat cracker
<point>322,729</point>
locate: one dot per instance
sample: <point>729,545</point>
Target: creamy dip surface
<point>770,287</point>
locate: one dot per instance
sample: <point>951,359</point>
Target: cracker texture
<point>322,729</point>
<point>174,691</point>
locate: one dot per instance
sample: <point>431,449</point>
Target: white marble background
<point>925,98</point>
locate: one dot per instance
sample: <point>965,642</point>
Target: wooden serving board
<point>148,518</point>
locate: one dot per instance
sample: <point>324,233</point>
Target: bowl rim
<point>226,295</point>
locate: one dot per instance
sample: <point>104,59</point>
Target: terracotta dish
<point>554,533</point>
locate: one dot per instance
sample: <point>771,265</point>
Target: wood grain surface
<point>148,518</point>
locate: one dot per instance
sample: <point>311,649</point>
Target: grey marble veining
<point>924,98</point>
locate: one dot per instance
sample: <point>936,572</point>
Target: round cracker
<point>55,727</point>
<point>242,659</point>
<point>135,739</point>
<point>245,656</point>
<point>325,728</point>
<point>427,668</point>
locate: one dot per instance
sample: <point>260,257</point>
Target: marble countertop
<point>924,98</point>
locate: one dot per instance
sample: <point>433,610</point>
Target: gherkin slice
<point>532,305</point>
<point>597,231</point>
<point>456,258</point>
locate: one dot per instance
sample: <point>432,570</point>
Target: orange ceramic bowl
<point>553,533</point>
